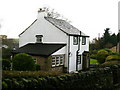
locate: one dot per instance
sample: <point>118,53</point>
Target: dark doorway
<point>86,60</point>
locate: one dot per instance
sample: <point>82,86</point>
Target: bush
<point>93,56</point>
<point>6,64</point>
<point>37,67</point>
<point>27,74</point>
<point>23,62</point>
<point>101,56</point>
<point>113,57</point>
<point>109,63</point>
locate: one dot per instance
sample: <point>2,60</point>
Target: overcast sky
<point>89,16</point>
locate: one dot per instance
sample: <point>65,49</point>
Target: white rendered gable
<point>51,34</point>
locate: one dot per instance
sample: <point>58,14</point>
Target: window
<point>83,40</point>
<point>61,60</point>
<point>57,60</point>
<point>39,38</point>
<point>53,61</point>
<point>75,40</point>
<point>79,59</point>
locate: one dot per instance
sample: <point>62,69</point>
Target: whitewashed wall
<point>84,47</point>
<point>50,33</point>
<point>72,56</point>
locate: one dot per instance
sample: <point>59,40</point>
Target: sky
<point>89,16</point>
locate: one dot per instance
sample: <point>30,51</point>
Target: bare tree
<point>52,13</point>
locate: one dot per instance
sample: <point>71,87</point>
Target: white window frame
<point>56,60</point>
<point>83,40</point>
<point>75,40</point>
<point>53,61</point>
<point>61,60</point>
<point>79,59</point>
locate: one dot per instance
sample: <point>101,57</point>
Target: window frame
<point>83,40</point>
<point>75,40</point>
<point>39,38</point>
<point>53,65</point>
<point>79,59</point>
<point>57,59</point>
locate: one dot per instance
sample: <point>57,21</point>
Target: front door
<point>86,60</point>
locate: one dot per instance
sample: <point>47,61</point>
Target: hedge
<point>100,78</point>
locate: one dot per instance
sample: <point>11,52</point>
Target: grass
<point>93,61</point>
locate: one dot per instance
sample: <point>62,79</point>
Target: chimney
<point>41,13</point>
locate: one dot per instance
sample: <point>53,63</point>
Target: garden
<point>23,76</point>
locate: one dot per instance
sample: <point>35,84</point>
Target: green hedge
<point>100,78</point>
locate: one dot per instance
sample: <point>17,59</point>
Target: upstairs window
<point>39,38</point>
<point>75,40</point>
<point>83,40</point>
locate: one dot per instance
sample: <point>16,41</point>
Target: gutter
<point>68,52</point>
<point>78,52</point>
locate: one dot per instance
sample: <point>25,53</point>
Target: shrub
<point>37,67</point>
<point>101,56</point>
<point>6,64</point>
<point>4,85</point>
<point>27,74</point>
<point>23,62</point>
<point>93,56</point>
<point>108,50</point>
<point>113,57</point>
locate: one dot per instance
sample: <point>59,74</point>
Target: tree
<point>23,62</point>
<point>7,46</point>
<point>113,39</point>
<point>118,37</point>
<point>106,38</point>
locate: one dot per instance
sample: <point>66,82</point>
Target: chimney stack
<point>41,13</point>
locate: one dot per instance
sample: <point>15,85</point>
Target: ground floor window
<point>79,59</point>
<point>57,60</point>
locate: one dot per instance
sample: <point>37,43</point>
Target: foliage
<point>37,67</point>
<point>23,62</point>
<point>99,78</point>
<point>113,57</point>
<point>93,56</point>
<point>6,64</point>
<point>28,74</point>
<point>118,37</point>
<point>101,56</point>
<point>109,63</point>
<point>7,47</point>
<point>113,39</point>
<point>108,40</point>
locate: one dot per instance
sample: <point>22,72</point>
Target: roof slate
<point>64,26</point>
<point>39,49</point>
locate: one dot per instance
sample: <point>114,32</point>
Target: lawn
<point>93,61</point>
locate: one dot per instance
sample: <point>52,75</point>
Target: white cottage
<point>56,42</point>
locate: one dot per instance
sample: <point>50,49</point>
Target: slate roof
<point>64,26</point>
<point>39,49</point>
